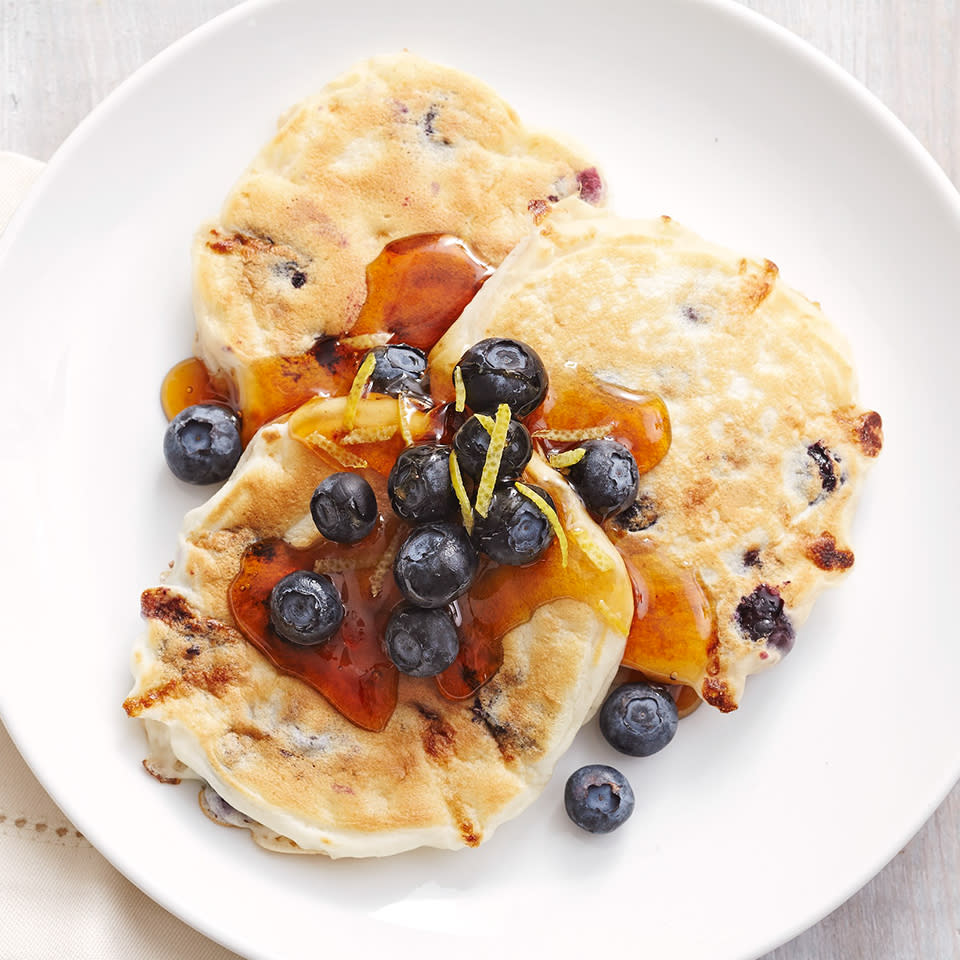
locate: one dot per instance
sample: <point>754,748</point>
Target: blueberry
<point>399,369</point>
<point>344,507</point>
<point>419,484</point>
<point>422,643</point>
<point>761,616</point>
<point>202,444</point>
<point>598,798</point>
<point>305,607</point>
<point>515,531</point>
<point>639,719</point>
<point>435,564</point>
<point>499,371</point>
<point>472,440</point>
<point>606,477</point>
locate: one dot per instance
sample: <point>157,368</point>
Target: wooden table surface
<point>59,58</point>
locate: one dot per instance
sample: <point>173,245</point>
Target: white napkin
<point>58,897</point>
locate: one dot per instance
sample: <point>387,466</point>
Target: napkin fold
<point>59,898</point>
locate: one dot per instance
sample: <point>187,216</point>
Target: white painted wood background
<point>59,58</point>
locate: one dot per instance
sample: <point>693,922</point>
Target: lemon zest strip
<point>461,390</point>
<point>356,391</point>
<point>567,459</point>
<point>549,513</point>
<point>369,434</point>
<point>456,478</point>
<point>568,436</point>
<point>585,543</point>
<point>344,457</point>
<point>338,564</point>
<point>385,563</point>
<point>491,465</point>
<point>405,430</point>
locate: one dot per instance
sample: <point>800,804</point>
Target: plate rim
<point>771,32</point>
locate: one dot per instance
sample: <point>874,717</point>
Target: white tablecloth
<point>59,899</point>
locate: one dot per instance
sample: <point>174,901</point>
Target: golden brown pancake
<point>441,773</point>
<point>751,506</point>
<point>397,146</point>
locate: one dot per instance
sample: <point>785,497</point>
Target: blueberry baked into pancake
<point>396,148</point>
<point>736,530</point>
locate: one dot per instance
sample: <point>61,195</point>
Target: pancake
<point>752,504</point>
<point>282,761</point>
<point>397,146</point>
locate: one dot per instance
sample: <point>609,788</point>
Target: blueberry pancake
<point>746,518</point>
<point>396,147</point>
<point>279,758</point>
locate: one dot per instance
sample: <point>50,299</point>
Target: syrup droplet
<point>189,382</point>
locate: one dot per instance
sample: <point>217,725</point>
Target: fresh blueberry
<point>305,607</point>
<point>435,564</point>
<point>606,477</point>
<point>598,798</point>
<point>639,719</point>
<point>202,444</point>
<point>344,507</point>
<point>399,369</point>
<point>499,371</point>
<point>422,643</point>
<point>472,441</point>
<point>515,530</point>
<point>419,484</point>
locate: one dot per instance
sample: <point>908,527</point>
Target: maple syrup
<point>350,669</point>
<point>674,630</point>
<point>576,404</point>
<point>189,382</point>
<point>416,287</point>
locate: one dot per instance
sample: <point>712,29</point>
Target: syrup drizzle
<point>673,635</point>
<point>416,287</point>
<point>576,404</point>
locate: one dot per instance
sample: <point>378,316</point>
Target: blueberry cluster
<point>439,559</point>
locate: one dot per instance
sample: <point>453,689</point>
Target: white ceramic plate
<point>750,827</point>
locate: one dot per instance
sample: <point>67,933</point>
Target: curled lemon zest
<point>569,436</point>
<point>491,465</point>
<point>461,390</point>
<point>405,430</point>
<point>385,563</point>
<point>344,457</point>
<point>567,459</point>
<point>356,391</point>
<point>456,478</point>
<point>338,564</point>
<point>549,513</point>
<point>368,435</point>
<point>588,547</point>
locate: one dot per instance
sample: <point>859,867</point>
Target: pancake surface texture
<point>757,491</point>
<point>441,773</point>
<point>398,146</point>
